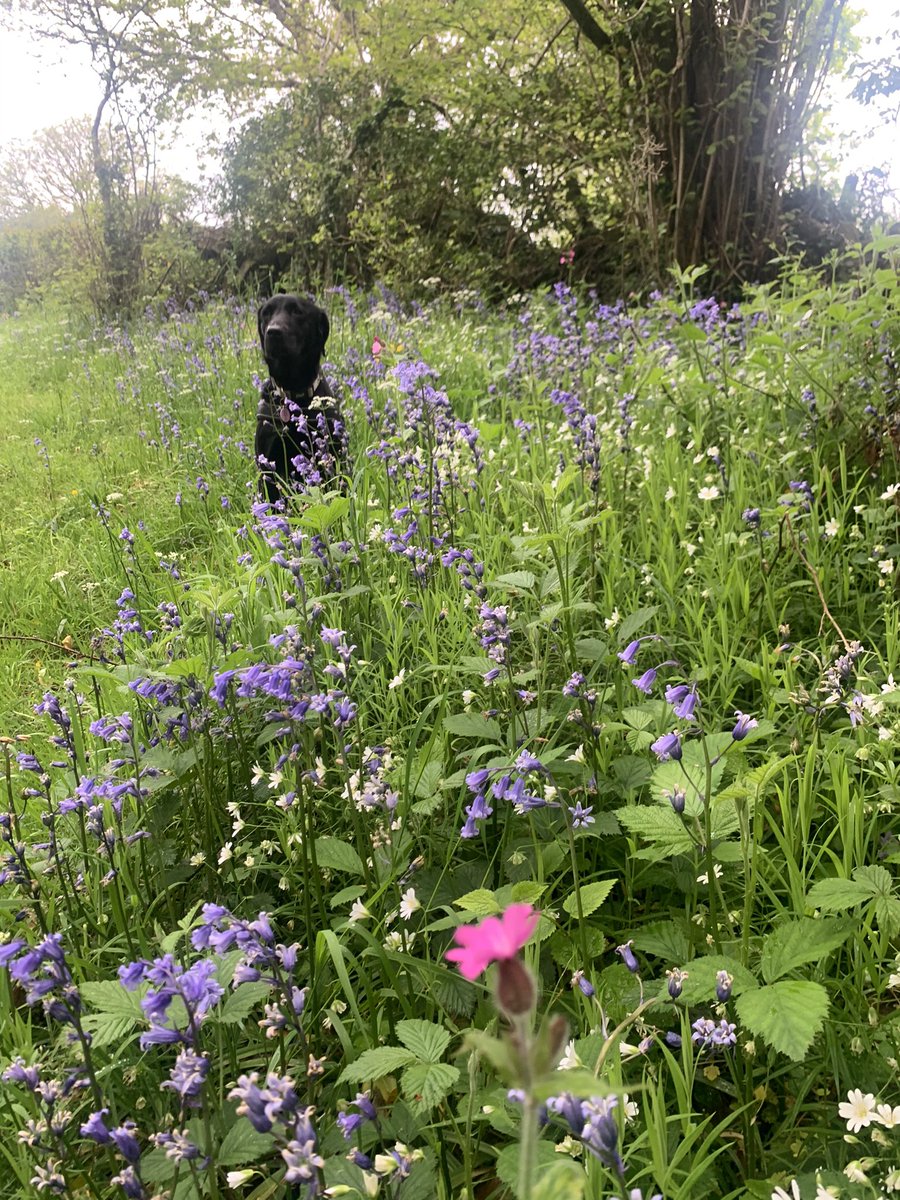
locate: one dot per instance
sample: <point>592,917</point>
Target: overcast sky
<point>44,84</point>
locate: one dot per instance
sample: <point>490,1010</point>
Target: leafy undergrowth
<point>604,623</point>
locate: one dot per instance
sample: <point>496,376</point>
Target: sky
<point>43,84</point>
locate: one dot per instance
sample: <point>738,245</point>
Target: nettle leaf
<point>243,1144</point>
<point>474,725</point>
<point>482,902</point>
<point>107,996</point>
<point>797,942</point>
<point>526,891</point>
<point>887,911</point>
<point>242,1001</point>
<point>876,878</point>
<point>666,939</point>
<point>516,579</point>
<point>426,1040</point>
<point>837,895</point>
<point>335,855</point>
<point>700,985</point>
<point>373,1064</point>
<point>660,826</point>
<point>106,1030</point>
<point>592,896</point>
<point>787,1015</point>
<point>426,1084</point>
<point>429,779</point>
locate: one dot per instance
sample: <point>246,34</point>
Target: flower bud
<point>515,994</point>
<point>628,957</point>
<point>724,982</point>
<point>676,978</point>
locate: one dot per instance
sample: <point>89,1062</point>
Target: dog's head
<point>292,332</point>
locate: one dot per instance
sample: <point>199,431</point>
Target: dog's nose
<point>275,333</point>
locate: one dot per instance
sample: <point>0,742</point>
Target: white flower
<point>468,696</point>
<point>781,1194</point>
<point>887,1116</point>
<point>359,912</point>
<point>569,1146</point>
<point>855,1172</point>
<point>60,575</point>
<point>258,774</point>
<point>824,1193</point>
<point>713,452</point>
<point>858,1111</point>
<point>394,940</point>
<point>832,527</point>
<point>670,494</point>
<point>705,877</point>
<point>225,853</point>
<point>892,1182</point>
<point>886,566</point>
<point>236,1179</point>
<point>275,780</point>
<point>397,680</point>
<point>891,492</point>
<point>709,493</point>
<point>629,1107</point>
<point>570,1060</point>
<point>197,860</point>
<point>578,756</point>
<point>409,904</point>
<point>894,980</point>
<point>889,685</point>
<point>611,621</point>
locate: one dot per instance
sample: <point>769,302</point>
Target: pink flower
<point>496,939</point>
<point>376,348</point>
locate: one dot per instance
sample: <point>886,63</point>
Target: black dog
<point>300,438</point>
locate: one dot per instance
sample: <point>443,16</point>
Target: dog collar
<point>276,402</point>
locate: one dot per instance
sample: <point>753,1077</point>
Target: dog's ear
<point>260,328</point>
<point>324,327</point>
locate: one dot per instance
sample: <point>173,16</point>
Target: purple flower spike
<point>687,707</point>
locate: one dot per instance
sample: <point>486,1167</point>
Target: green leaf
<point>592,896</point>
<point>662,827</point>
<point>109,997</point>
<point>700,985</point>
<point>797,942</point>
<point>243,1144</point>
<point>429,779</point>
<point>242,1001</point>
<point>591,649</point>
<point>426,1040</point>
<point>787,1015</point>
<point>508,1165</point>
<point>666,939</point>
<point>335,855</point>
<point>516,579</point>
<point>635,621</point>
<point>474,725</point>
<point>426,1084</point>
<point>564,1180</point>
<point>106,1030</point>
<point>837,895</point>
<point>482,902</point>
<point>373,1064</point>
<point>526,891</point>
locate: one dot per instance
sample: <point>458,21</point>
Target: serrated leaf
<point>637,718</point>
<point>592,896</point>
<point>797,942</point>
<point>482,902</point>
<point>107,1030</point>
<point>373,1064</point>
<point>426,1084</point>
<point>591,649</point>
<point>242,1001</point>
<point>474,725</point>
<point>429,779</point>
<point>516,579</point>
<point>243,1144</point>
<point>426,1040</point>
<point>878,879</point>
<point>660,826</point>
<point>700,985</point>
<point>836,895</point>
<point>887,913</point>
<point>631,771</point>
<point>787,1015</point>
<point>526,891</point>
<point>109,997</point>
<point>665,939</point>
<point>335,855</point>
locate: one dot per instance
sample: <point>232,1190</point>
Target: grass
<point>299,715</point>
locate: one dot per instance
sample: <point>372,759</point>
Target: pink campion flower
<point>376,348</point>
<point>495,939</point>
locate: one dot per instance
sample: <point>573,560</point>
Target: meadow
<point>589,676</point>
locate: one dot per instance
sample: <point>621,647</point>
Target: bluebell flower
<point>630,653</point>
<point>676,978</point>
<point>667,747</point>
<point>724,983</point>
<point>644,683</point>
<point>580,980</point>
<point>628,957</point>
<point>743,725</point>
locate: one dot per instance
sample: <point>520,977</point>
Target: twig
<point>24,637</point>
